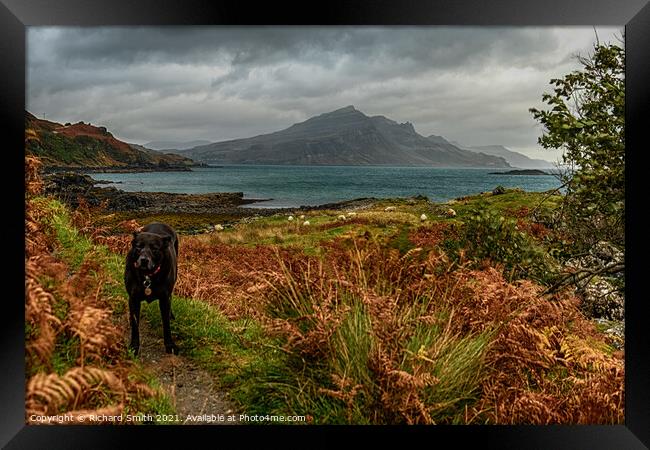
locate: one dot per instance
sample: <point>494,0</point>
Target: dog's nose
<point>143,262</point>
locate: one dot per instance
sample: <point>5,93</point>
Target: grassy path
<point>194,395</point>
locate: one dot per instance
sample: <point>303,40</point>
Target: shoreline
<point>192,210</point>
<point>113,169</point>
<point>73,187</point>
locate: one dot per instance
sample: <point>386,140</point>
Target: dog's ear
<point>166,240</point>
<point>135,236</point>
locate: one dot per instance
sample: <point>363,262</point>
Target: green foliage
<point>487,234</point>
<point>586,120</point>
<point>401,242</point>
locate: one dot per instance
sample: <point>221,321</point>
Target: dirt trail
<point>191,389</point>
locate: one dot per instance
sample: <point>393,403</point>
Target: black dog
<point>150,274</point>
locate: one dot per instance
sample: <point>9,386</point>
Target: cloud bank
<point>470,84</point>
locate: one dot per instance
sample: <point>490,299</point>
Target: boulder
<point>601,300</point>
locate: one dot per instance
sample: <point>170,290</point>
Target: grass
<point>510,202</point>
<point>356,324</point>
<point>377,361</point>
<point>73,247</point>
<point>181,222</point>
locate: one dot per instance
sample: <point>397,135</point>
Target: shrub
<point>489,235</point>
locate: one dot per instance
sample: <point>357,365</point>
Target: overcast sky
<point>469,84</point>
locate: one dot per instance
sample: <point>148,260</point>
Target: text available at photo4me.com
<point>173,418</point>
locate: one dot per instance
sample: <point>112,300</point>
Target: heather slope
<point>82,145</point>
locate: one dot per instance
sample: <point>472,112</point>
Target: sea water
<point>294,186</point>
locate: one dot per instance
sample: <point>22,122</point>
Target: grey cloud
<point>472,84</point>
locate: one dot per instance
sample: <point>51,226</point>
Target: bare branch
<point>586,273</point>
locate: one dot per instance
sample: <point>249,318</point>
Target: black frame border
<point>15,15</point>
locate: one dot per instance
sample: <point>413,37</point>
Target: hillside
<point>82,145</point>
<point>343,137</point>
<point>515,159</point>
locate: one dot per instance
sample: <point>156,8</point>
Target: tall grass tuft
<point>364,331</point>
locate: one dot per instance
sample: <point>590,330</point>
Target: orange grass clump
<point>546,364</point>
<point>117,239</point>
<point>225,276</point>
<point>536,360</point>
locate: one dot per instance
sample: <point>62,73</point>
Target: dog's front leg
<point>165,312</point>
<point>134,319</point>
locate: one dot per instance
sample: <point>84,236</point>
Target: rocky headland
<point>521,172</point>
<point>73,187</point>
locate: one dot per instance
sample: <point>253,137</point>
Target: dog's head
<point>148,250</point>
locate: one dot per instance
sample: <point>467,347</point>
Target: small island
<point>521,172</point>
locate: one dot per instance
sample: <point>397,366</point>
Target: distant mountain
<point>343,137</point>
<point>515,159</point>
<point>174,145</point>
<point>82,145</point>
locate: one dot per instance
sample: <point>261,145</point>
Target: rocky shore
<point>121,169</point>
<point>521,172</point>
<point>71,187</point>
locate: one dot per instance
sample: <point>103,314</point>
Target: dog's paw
<point>173,349</point>
<point>134,348</point>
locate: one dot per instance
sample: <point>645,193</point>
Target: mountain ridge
<point>345,136</point>
<point>514,158</point>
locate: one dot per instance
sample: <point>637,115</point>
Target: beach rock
<point>498,190</point>
<point>67,182</point>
